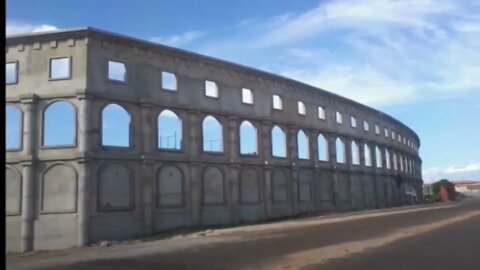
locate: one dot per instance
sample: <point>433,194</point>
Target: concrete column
<point>146,131</point>
<point>84,180</point>
<point>148,201</point>
<point>268,190</point>
<point>194,132</point>
<point>313,143</point>
<point>84,119</point>
<point>364,169</point>
<point>293,158</point>
<point>265,145</point>
<point>83,221</point>
<point>373,156</point>
<point>28,185</point>
<point>233,143</point>
<point>234,192</point>
<point>28,207</point>
<point>233,138</point>
<point>333,160</point>
<point>349,161</point>
<point>147,128</point>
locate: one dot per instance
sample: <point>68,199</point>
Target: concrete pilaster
<point>265,146</point>
<point>147,126</point>
<point>194,131</point>
<point>268,190</point>
<point>28,208</point>
<point>293,158</point>
<point>28,186</point>
<point>233,143</point>
<point>333,160</point>
<point>84,179</point>
<point>83,221</point>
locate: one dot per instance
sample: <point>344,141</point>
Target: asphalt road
<point>438,237</point>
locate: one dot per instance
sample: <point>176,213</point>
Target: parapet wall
<point>87,191</point>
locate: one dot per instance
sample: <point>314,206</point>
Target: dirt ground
<point>440,236</point>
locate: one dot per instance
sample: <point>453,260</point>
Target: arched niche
<point>13,191</point>
<point>213,186</point>
<point>304,186</point>
<point>115,188</point>
<point>279,186</point>
<point>59,189</point>
<point>249,186</point>
<point>170,187</point>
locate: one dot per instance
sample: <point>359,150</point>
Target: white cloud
<point>13,28</point>
<point>179,40</point>
<point>469,171</point>
<point>378,52</point>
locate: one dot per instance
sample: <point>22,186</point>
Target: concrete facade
<point>59,197</point>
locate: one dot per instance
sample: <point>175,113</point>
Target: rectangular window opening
<point>353,121</point>
<point>117,71</point>
<point>277,102</point>
<point>11,73</point>
<point>211,89</point>
<point>301,108</point>
<point>321,113</point>
<point>247,96</point>
<point>338,117</point>
<point>59,68</point>
<point>169,81</point>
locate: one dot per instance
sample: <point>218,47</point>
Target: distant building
<point>427,190</point>
<point>467,186</point>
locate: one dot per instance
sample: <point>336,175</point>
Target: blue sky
<point>417,60</point>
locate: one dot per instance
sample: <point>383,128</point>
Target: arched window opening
<point>368,156</point>
<point>387,159</point>
<point>400,159</point>
<point>13,127</point>
<point>303,149</point>
<point>355,153</point>
<point>340,150</point>
<point>212,132</point>
<point>378,157</point>
<point>279,142</point>
<point>248,139</point>
<point>169,131</point>
<point>395,162</point>
<point>59,124</point>
<point>115,126</point>
<point>322,148</point>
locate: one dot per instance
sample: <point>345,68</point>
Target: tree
<point>449,186</point>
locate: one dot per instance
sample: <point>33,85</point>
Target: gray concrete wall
<point>62,197</point>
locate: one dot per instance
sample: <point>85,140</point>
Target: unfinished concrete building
<point>307,150</point>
